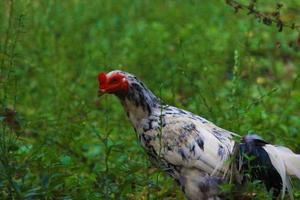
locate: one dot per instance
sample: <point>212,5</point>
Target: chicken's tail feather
<point>287,164</point>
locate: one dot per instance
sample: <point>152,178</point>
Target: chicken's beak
<point>101,92</point>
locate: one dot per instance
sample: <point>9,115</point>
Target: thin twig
<point>267,19</point>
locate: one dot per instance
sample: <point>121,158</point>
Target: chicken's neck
<point>139,103</point>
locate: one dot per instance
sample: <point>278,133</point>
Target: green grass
<point>197,55</point>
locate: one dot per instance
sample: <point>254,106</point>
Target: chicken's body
<point>189,148</point>
<point>186,147</point>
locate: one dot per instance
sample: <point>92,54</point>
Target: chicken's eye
<point>113,80</point>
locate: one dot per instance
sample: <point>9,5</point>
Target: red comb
<point>102,79</point>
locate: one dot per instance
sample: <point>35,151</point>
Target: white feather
<point>291,160</point>
<point>286,162</point>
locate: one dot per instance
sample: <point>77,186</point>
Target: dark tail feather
<point>255,160</point>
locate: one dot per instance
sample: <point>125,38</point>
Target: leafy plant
<point>59,141</point>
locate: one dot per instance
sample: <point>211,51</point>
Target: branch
<point>266,18</point>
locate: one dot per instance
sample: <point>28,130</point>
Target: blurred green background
<point>59,141</point>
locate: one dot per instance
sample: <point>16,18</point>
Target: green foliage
<point>59,141</point>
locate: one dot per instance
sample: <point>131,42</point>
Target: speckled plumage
<point>187,147</point>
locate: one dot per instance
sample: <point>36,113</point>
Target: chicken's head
<point>114,82</point>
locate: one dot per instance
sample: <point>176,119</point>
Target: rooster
<point>196,153</point>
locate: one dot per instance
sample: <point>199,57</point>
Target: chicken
<point>194,151</point>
